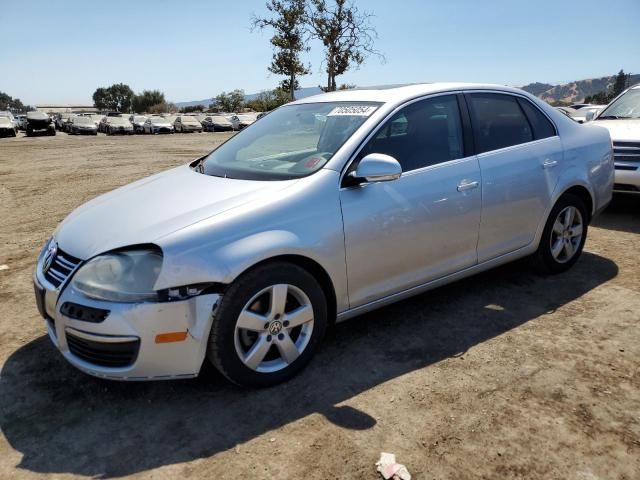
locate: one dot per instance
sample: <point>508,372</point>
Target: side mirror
<point>590,116</point>
<point>377,167</point>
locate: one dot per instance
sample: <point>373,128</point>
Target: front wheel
<point>268,326</point>
<point>563,237</point>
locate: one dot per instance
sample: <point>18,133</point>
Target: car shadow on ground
<point>63,421</point>
<point>622,214</point>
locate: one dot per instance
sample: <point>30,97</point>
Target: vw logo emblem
<point>49,255</point>
<point>275,327</point>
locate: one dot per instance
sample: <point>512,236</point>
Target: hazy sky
<point>60,51</point>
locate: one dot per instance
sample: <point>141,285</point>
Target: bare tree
<point>288,24</point>
<point>346,33</point>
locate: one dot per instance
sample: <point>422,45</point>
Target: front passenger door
<point>424,225</point>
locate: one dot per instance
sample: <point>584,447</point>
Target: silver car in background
<point>138,123</point>
<point>118,125</point>
<point>216,123</point>
<point>83,125</point>
<point>156,124</point>
<point>244,257</point>
<point>187,123</point>
<point>243,120</point>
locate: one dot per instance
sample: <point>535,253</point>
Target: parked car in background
<point>118,125</point>
<point>157,124</point>
<point>68,121</point>
<point>138,122</point>
<point>622,118</point>
<point>216,123</point>
<point>245,256</point>
<point>97,118</point>
<point>83,125</point>
<point>581,115</point>
<point>7,127</point>
<point>185,123</point>
<point>566,110</point>
<point>578,106</point>
<point>242,120</point>
<point>21,121</point>
<point>11,118</point>
<point>40,123</point>
<point>61,120</point>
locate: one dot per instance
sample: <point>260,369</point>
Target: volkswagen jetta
<point>245,256</point>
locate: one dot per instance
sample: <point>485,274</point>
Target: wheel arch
<point>583,194</point>
<point>314,268</point>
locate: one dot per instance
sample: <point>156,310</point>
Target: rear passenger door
<point>519,153</point>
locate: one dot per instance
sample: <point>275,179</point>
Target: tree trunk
<point>292,80</point>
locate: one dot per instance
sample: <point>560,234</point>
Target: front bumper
<point>162,129</point>
<point>127,334</point>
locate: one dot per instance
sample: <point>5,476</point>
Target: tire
<point>255,288</point>
<point>547,259</point>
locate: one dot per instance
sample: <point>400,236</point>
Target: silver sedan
<point>245,256</point>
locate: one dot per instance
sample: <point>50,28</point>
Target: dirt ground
<point>504,375</point>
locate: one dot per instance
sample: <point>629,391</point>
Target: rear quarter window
<point>542,127</point>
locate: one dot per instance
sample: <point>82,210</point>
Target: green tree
<point>288,24</point>
<point>7,102</point>
<point>192,109</point>
<point>144,101</point>
<point>619,84</point>
<point>229,102</point>
<point>118,97</point>
<point>346,34</point>
<point>268,100</point>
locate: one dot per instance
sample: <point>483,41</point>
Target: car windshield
<point>158,120</point>
<point>292,142</point>
<point>83,121</point>
<point>4,120</point>
<point>118,120</point>
<point>246,117</point>
<point>626,106</point>
<point>139,118</point>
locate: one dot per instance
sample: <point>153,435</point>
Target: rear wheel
<point>563,237</point>
<point>268,325</point>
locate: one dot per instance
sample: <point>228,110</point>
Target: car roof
<point>399,93</point>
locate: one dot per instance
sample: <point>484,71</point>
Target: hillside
<point>573,91</point>
<point>301,93</point>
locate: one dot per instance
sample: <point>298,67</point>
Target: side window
<point>498,121</point>
<point>542,127</point>
<point>422,134</point>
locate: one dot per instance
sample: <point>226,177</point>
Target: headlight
<point>121,276</point>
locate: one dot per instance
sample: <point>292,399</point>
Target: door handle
<point>549,163</point>
<point>467,185</point>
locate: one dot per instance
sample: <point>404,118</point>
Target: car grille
<point>114,355</point>
<point>628,153</point>
<point>61,267</point>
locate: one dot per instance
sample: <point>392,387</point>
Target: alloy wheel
<point>274,328</point>
<point>566,234</point>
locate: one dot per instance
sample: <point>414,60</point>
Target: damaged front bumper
<point>127,341</point>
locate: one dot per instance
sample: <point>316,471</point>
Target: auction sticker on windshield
<point>352,110</point>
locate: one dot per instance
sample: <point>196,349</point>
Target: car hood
<point>623,129</point>
<point>146,210</point>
